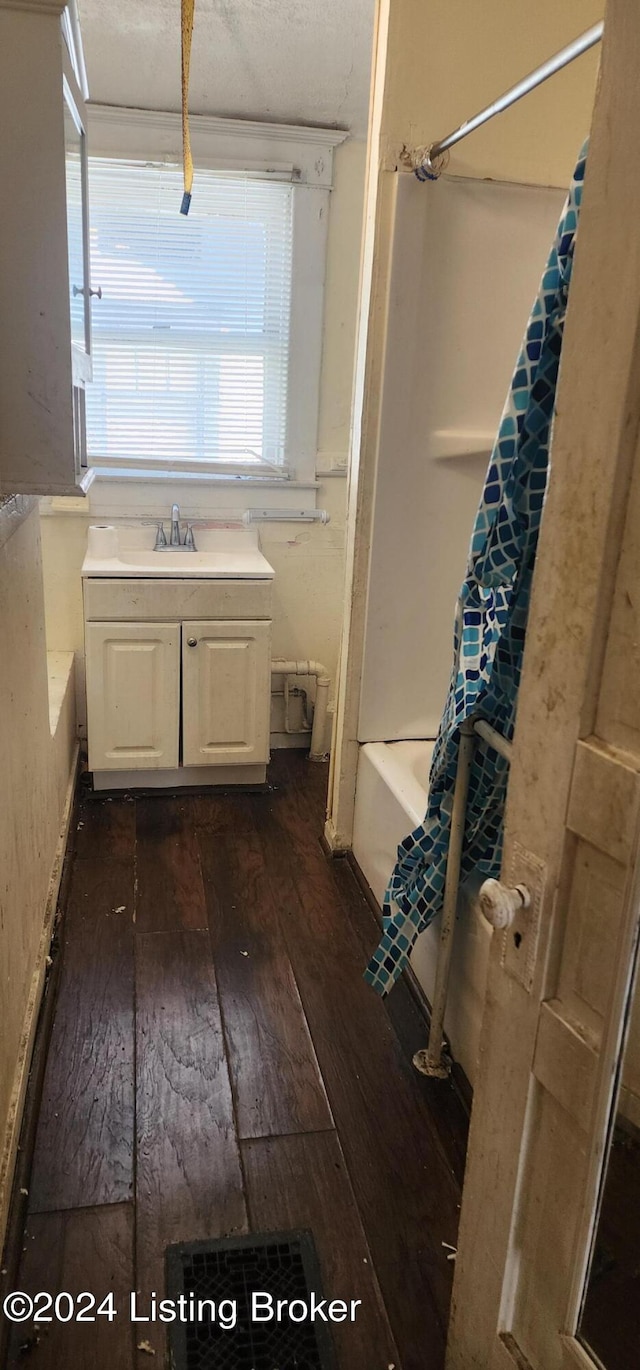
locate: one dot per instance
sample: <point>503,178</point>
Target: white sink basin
<point>223,554</point>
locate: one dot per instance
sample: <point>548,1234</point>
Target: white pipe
<point>430,1062</point>
<point>285,695</point>
<point>323,683</point>
<point>318,750</point>
<point>495,740</point>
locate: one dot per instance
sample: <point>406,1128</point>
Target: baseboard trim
<point>458,1077</point>
<point>182,777</point>
<point>21,1075</point>
<point>333,842</point>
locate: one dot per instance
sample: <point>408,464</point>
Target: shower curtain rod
<point>427,168</point>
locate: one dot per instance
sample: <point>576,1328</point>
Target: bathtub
<point>391,800</point>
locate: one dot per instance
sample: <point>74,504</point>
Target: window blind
<point>191,337</point>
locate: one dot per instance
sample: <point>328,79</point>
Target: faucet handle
<point>161,540</point>
<point>189,540</point>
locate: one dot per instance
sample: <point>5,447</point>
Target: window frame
<point>303,156</point>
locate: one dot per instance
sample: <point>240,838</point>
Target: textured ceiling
<point>292,61</point>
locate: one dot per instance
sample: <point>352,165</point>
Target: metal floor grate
<point>284,1265</point>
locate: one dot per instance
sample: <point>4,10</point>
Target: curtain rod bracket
<point>429,163</point>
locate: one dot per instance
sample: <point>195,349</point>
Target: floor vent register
<point>243,1301</point>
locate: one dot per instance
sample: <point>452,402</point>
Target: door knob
<point>499,904</point>
<point>192,642</point>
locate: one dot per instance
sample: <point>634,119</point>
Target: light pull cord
<point>187,12</point>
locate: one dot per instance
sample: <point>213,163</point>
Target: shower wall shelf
<point>448,443</point>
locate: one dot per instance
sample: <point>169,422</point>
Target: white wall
<point>308,559</point>
<point>341,301</point>
<point>467,260</point>
<point>36,768</point>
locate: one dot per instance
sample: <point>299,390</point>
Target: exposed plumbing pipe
<point>296,693</point>
<point>323,683</point>
<point>430,1062</point>
<point>494,739</point>
<point>499,905</point>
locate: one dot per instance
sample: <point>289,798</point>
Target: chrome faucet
<point>161,544</point>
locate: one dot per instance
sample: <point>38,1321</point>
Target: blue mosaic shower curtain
<point>490,624</point>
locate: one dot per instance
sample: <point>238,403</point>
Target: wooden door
<point>559,980</point>
<point>133,695</point>
<point>226,672</point>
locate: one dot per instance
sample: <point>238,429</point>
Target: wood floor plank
<point>409,1023</point>
<point>270,891</point>
<point>101,893</point>
<point>448,1101</point>
<point>169,882</point>
<point>404,1184</point>
<point>105,828</point>
<point>84,1145</point>
<point>292,766</point>
<point>302,1182</point>
<point>74,1251</point>
<point>220,813</point>
<point>276,1078</point>
<point>611,1315</point>
<point>188,1176</point>
<point>300,863</point>
<point>448,1110</point>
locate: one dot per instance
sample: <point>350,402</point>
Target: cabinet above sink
<point>45,290</point>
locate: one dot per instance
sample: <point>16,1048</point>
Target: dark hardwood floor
<point>217,1065</point>
<point>610,1322</point>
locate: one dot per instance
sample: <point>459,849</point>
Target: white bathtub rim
<point>392,767</point>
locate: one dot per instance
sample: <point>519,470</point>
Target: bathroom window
<point>191,338</point>
<point>208,336</point>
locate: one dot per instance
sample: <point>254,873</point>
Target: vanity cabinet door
<point>226,692</point>
<point>133,695</point>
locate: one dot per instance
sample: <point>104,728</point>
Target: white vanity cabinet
<point>178,681</point>
<point>45,300</point>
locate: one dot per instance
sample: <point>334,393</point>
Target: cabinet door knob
<point>192,642</point>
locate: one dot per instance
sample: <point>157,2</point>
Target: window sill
<point>201,495</point>
<point>217,479</point>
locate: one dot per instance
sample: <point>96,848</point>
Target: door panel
<point>133,695</point>
<point>226,693</point>
<point>550,1048</point>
